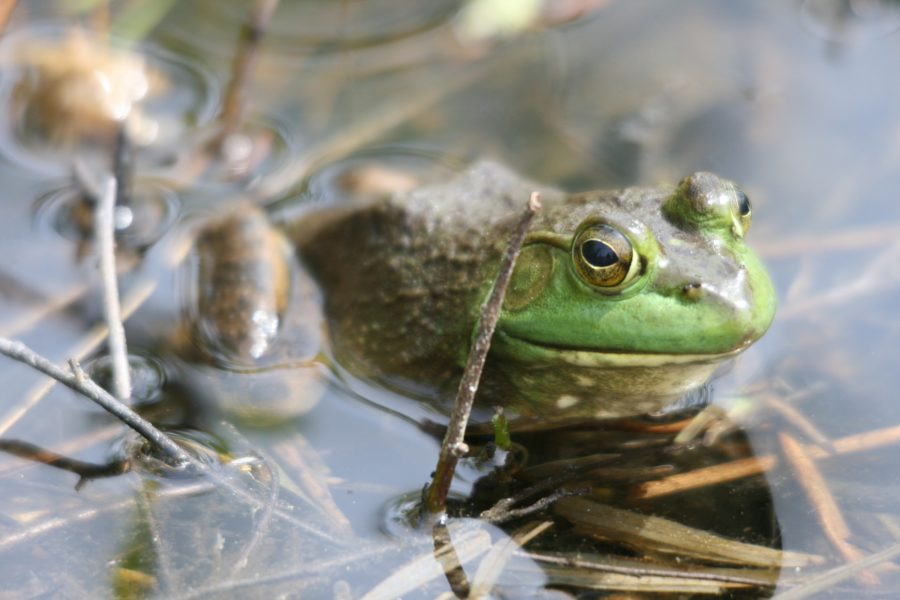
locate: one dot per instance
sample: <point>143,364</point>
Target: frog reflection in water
<point>620,301</point>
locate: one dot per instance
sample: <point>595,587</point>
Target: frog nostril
<point>693,291</point>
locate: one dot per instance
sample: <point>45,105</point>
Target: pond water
<point>796,101</point>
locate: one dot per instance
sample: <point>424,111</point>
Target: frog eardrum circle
<point>603,256</point>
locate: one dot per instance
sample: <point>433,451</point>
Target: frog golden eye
<point>603,256</point>
<point>744,210</point>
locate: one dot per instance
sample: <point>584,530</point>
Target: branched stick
<point>105,232</point>
<point>453,447</point>
<point>84,385</point>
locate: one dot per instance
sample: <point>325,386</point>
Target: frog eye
<point>603,256</point>
<point>744,210</point>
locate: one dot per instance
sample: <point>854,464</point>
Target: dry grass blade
<point>639,570</point>
<point>11,540</point>
<point>265,519</point>
<point>306,464</point>
<point>798,420</point>
<point>583,579</point>
<point>38,312</point>
<point>832,241</point>
<point>830,578</point>
<point>470,545</point>
<point>698,478</point>
<point>880,274</point>
<point>657,535</point>
<point>492,565</point>
<point>305,573</point>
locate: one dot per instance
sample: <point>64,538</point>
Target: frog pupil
<point>743,204</point>
<point>598,254</point>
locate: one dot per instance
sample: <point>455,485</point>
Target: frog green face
<point>635,295</point>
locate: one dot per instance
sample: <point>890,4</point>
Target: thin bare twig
<point>81,383</point>
<point>85,470</point>
<point>540,504</point>
<point>453,446</point>
<point>105,232</point>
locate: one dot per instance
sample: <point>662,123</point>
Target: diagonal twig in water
<point>81,383</point>
<point>453,447</point>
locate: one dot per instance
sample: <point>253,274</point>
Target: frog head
<point>621,302</point>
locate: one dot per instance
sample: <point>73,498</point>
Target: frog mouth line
<point>583,357</point>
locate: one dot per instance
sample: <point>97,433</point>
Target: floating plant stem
<point>77,380</point>
<point>453,446</point>
<point>105,232</point>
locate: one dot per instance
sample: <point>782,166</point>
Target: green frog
<point>620,302</point>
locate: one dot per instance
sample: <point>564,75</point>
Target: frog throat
<point>539,353</point>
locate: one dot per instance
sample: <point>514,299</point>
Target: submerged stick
<point>757,465</point>
<point>453,447</point>
<point>85,470</point>
<point>834,526</point>
<point>105,232</point>
<point>81,383</point>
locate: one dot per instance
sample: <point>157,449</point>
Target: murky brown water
<point>797,101</point>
